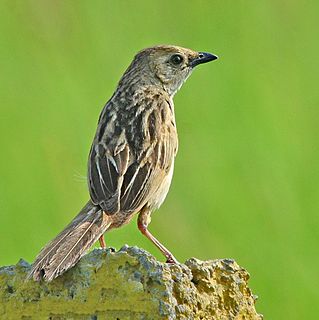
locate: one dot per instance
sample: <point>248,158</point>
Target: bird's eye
<point>176,59</point>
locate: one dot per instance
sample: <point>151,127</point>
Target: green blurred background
<point>246,182</point>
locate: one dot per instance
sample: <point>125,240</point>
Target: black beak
<point>203,57</point>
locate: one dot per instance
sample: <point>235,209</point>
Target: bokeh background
<point>246,183</point>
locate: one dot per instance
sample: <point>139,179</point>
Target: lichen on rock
<point>130,284</point>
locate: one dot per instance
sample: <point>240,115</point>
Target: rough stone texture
<point>130,284</point>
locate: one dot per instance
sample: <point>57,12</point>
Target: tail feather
<point>65,250</point>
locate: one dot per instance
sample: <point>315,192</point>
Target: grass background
<point>246,183</point>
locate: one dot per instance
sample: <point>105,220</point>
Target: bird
<point>131,160</point>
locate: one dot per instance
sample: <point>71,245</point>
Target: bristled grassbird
<point>131,160</point>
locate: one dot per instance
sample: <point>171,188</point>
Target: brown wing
<point>132,151</point>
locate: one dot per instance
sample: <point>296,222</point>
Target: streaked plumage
<point>131,160</point>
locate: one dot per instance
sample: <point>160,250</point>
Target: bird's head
<point>167,66</point>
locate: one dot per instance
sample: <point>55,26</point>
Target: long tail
<point>65,250</point>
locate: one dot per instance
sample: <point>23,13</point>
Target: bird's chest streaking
<point>132,156</point>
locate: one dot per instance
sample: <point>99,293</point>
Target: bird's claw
<point>171,259</point>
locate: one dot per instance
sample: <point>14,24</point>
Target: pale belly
<point>160,194</point>
<point>153,203</point>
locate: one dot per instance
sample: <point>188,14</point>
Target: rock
<point>130,284</point>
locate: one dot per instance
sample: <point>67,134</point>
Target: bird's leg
<point>142,223</point>
<point>102,241</point>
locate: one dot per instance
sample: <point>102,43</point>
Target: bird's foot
<point>171,259</point>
